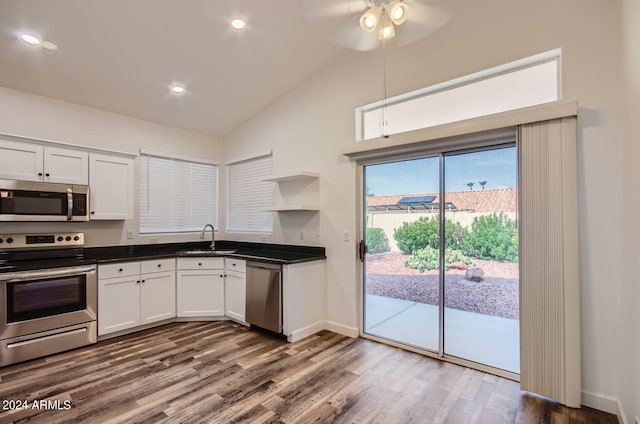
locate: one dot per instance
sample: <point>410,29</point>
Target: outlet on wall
<point>129,234</point>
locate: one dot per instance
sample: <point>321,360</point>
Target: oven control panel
<point>21,241</point>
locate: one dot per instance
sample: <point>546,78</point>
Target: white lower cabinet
<point>235,288</point>
<point>131,294</point>
<point>303,299</point>
<point>200,287</point>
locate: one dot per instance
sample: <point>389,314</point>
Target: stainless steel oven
<point>45,308</point>
<point>39,201</point>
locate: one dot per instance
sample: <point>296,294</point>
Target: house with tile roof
<point>391,211</point>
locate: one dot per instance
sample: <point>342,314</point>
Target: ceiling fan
<point>367,24</point>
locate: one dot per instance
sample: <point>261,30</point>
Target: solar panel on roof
<point>416,199</point>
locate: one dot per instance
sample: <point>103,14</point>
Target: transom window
<point>526,82</point>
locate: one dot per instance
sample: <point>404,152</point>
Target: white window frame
<point>175,228</point>
<point>521,64</point>
<point>265,198</point>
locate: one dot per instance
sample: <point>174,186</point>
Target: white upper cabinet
<point>35,162</point>
<point>111,187</point>
<point>66,166</point>
<point>21,161</point>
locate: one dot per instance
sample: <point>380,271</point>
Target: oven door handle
<point>12,277</point>
<point>69,204</point>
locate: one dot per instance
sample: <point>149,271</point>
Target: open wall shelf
<point>291,176</point>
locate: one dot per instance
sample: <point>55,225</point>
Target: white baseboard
<point>342,329</point>
<point>306,331</point>
<point>605,403</point>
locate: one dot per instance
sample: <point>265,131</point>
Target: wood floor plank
<point>222,372</point>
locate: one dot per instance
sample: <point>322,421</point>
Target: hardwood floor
<point>223,372</point>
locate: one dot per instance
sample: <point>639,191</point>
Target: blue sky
<point>497,167</point>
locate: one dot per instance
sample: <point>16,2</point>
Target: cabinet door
<point>111,187</point>
<point>234,295</point>
<point>118,304</point>
<point>20,161</point>
<point>157,296</point>
<point>66,166</point>
<point>200,293</point>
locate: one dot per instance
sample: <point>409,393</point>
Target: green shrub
<point>429,258</point>
<point>492,237</point>
<point>455,255</point>
<point>424,232</point>
<point>377,241</point>
<point>424,259</point>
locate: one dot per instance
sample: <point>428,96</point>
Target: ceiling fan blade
<point>338,22</point>
<point>326,9</point>
<point>353,37</point>
<point>423,19</point>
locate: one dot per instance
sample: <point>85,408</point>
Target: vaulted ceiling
<point>122,56</point>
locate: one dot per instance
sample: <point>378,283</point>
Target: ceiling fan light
<point>369,19</point>
<point>397,12</point>
<point>30,39</point>
<point>387,30</point>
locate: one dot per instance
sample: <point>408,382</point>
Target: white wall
<point>629,351</point>
<point>31,116</point>
<point>307,128</point>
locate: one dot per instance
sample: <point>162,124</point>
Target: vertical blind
<point>248,196</point>
<point>177,195</point>
<point>549,284</point>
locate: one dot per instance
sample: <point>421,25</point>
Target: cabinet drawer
<point>239,265</point>
<point>157,265</point>
<point>118,270</point>
<point>201,263</point>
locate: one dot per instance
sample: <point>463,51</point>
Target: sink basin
<point>205,252</point>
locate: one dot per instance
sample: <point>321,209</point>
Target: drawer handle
<point>233,264</point>
<point>120,270</point>
<point>144,281</point>
<point>159,265</point>
<point>199,263</point>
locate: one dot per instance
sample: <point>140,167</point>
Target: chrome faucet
<point>213,236</point>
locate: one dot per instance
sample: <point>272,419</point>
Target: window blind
<point>248,196</point>
<point>177,195</point>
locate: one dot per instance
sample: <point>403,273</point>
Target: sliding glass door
<point>401,300</point>
<point>441,269</point>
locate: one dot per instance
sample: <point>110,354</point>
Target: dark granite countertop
<point>276,253</point>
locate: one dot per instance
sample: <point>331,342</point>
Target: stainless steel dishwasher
<point>264,296</point>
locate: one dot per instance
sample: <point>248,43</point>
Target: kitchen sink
<point>205,252</point>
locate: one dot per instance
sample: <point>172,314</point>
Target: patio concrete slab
<point>380,308</point>
<point>486,339</point>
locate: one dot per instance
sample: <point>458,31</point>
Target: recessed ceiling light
<point>238,24</point>
<point>30,39</point>
<point>178,89</point>
<point>50,46</point>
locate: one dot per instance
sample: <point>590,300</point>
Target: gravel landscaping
<point>496,295</point>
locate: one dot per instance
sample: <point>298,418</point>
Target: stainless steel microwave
<point>39,201</point>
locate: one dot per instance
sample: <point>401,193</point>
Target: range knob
<point>60,238</point>
<point>68,238</point>
<point>76,238</point>
<point>9,240</point>
<point>1,240</point>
